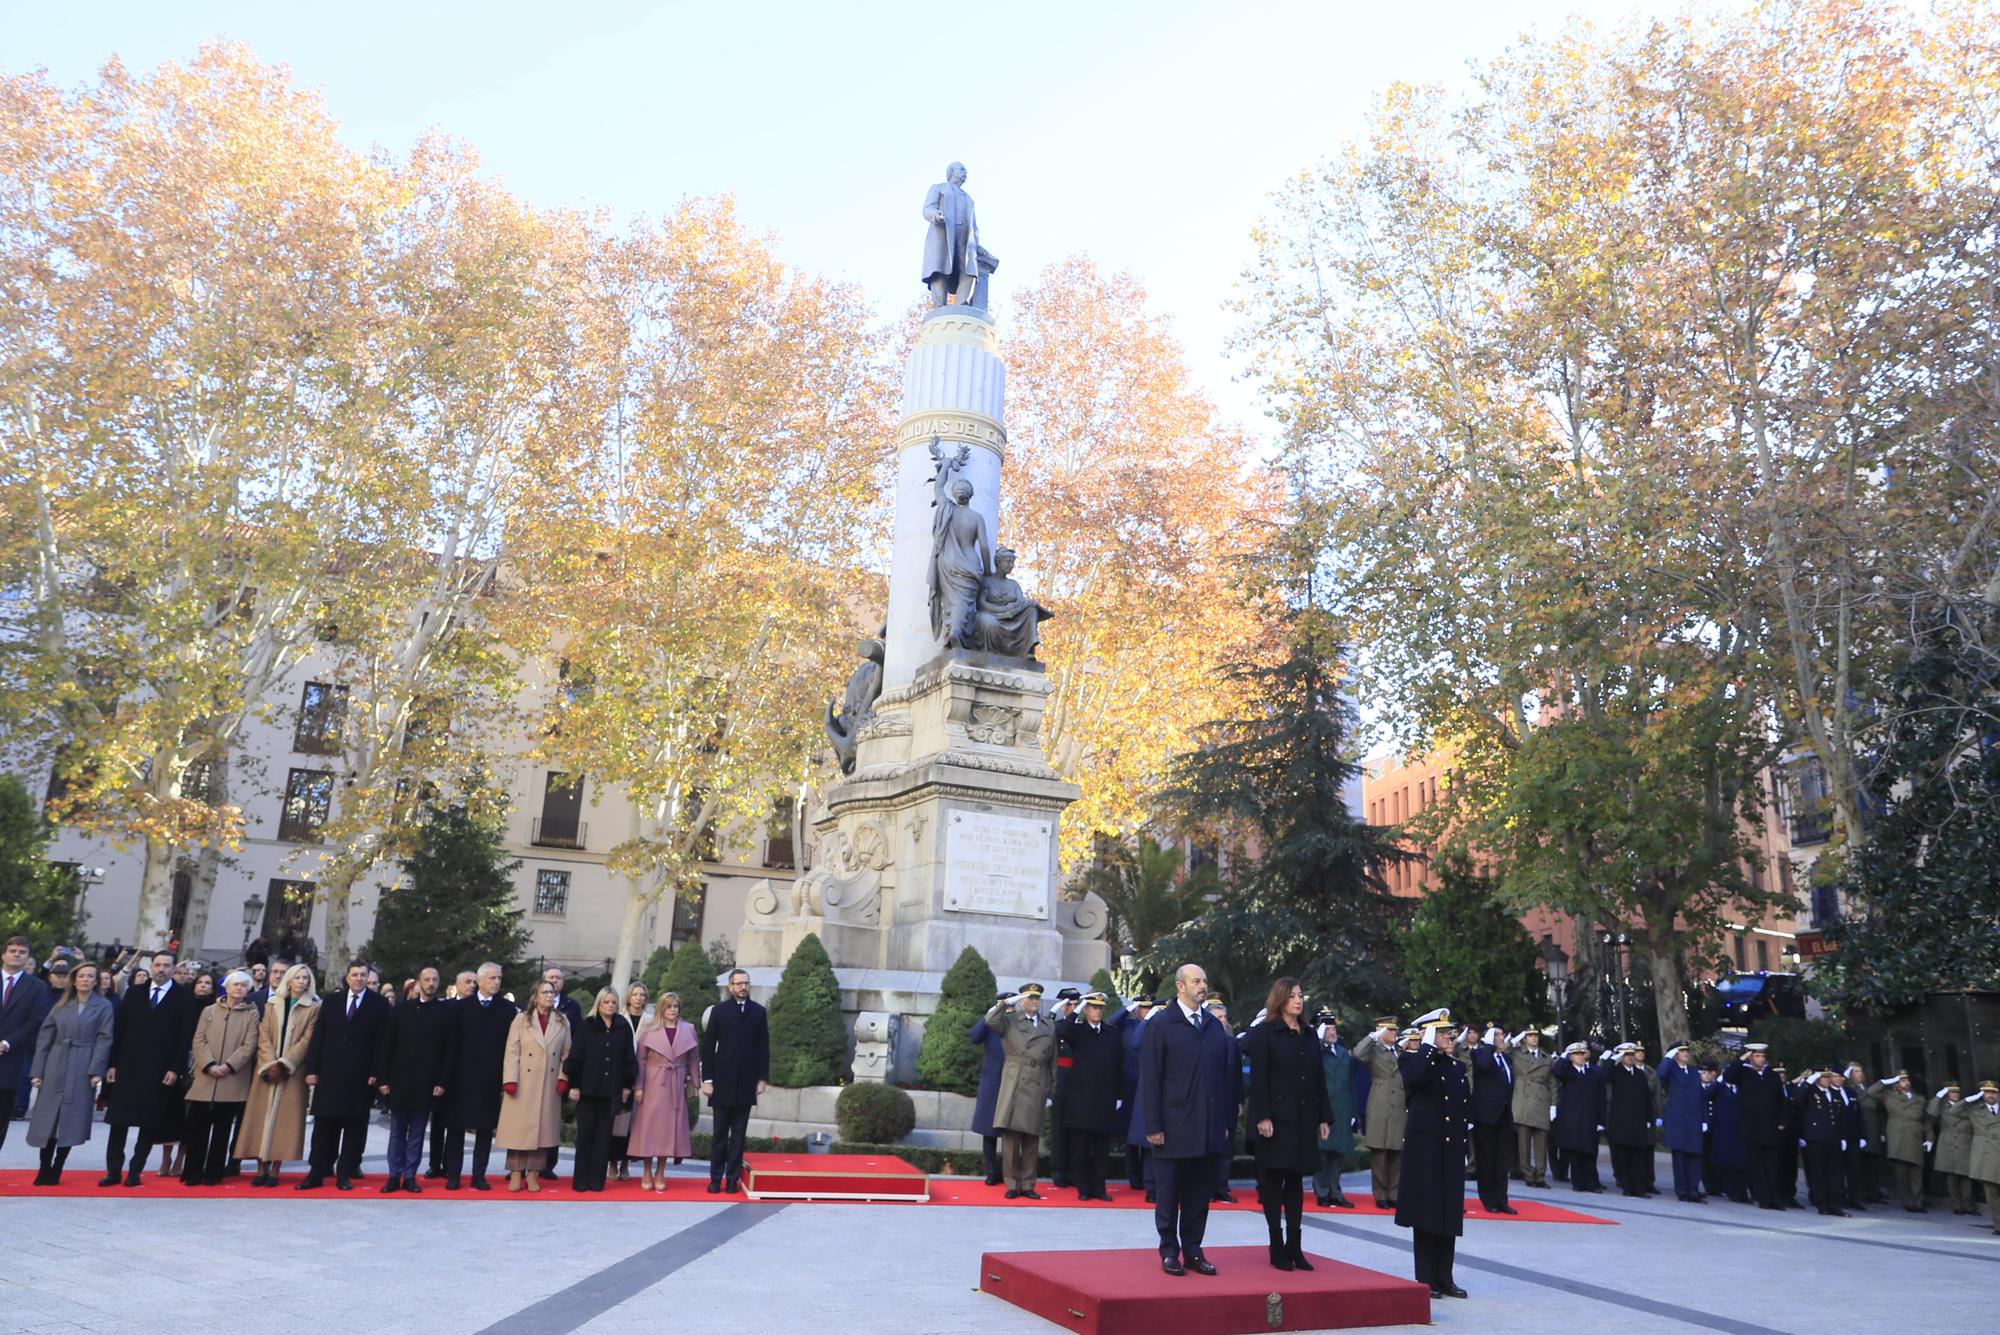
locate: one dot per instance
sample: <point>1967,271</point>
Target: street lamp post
<point>253,912</point>
<point>1555,960</point>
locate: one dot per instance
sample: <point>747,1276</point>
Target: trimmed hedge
<point>808,1037</point>
<point>874,1112</point>
<point>948,1061</point>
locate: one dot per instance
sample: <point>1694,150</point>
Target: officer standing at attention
<point>1431,1201</point>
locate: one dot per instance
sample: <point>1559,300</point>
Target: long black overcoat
<point>146,1043</point>
<point>345,1051</point>
<point>602,1062</point>
<point>1096,1074</point>
<point>1628,1117</point>
<point>1762,1111</point>
<point>419,1032</point>
<point>475,1054</point>
<point>735,1052</point>
<point>1287,1086</point>
<point>1432,1195</point>
<point>1184,1078</point>
<point>1579,1106</point>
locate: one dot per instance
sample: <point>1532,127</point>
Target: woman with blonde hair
<point>602,1066</point>
<point>634,1018</point>
<point>274,1114</point>
<point>225,1049</point>
<point>532,1082</point>
<point>669,1073</point>
<point>71,1056</point>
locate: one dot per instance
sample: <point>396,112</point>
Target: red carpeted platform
<point>974,1191</point>
<point>1126,1293</point>
<point>832,1177</point>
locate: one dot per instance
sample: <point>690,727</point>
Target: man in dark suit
<point>1184,1077</point>
<point>1096,1087</point>
<point>989,1092</point>
<point>462,987</point>
<point>414,1063</point>
<point>555,977</point>
<point>1431,1199</point>
<point>343,1066</point>
<point>474,1058</point>
<point>1492,1118</point>
<point>24,1002</point>
<point>152,1041</point>
<point>1231,1102</point>
<point>735,1066</point>
<point>1762,1114</point>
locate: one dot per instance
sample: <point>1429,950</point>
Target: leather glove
<point>562,1088</point>
<point>511,1088</point>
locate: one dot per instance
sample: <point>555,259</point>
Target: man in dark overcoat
<point>1138,1154</point>
<point>1431,1200</point>
<point>1492,1118</point>
<point>1184,1076</point>
<point>1762,1112</point>
<point>152,1043</point>
<point>25,1001</point>
<point>475,1057</point>
<point>1684,1123</point>
<point>1628,1121</point>
<point>1579,1116</point>
<point>1095,1089</point>
<point>988,1040</point>
<point>343,1066</point>
<point>1068,1001</point>
<point>1232,1100</point>
<point>418,1035</point>
<point>735,1069</point>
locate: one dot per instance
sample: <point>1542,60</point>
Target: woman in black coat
<point>1431,1200</point>
<point>1288,1113</point>
<point>602,1067</point>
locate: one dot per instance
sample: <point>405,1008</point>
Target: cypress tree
<point>689,974</point>
<point>808,1038</point>
<point>948,1060</point>
<point>456,906</point>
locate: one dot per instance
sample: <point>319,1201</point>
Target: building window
<point>551,893</point>
<point>1742,960</point>
<point>322,713</point>
<point>778,835</point>
<point>202,782</point>
<point>183,897</point>
<point>1804,797</point>
<point>308,803</point>
<point>561,823</point>
<point>1763,955</point>
<point>1825,905</point>
<point>287,913</point>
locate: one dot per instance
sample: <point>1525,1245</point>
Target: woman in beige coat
<point>225,1049</point>
<point>274,1116</point>
<point>532,1082</point>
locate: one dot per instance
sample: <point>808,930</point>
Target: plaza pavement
<point>460,1263</point>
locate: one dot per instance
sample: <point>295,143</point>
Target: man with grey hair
<point>475,1053</point>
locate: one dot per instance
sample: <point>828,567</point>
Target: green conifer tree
<point>808,1038</point>
<point>689,974</point>
<point>455,906</point>
<point>948,1060</point>
<point>36,899</point>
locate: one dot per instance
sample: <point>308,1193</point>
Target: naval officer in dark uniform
<point>1431,1201</point>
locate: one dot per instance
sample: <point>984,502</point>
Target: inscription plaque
<point>997,864</point>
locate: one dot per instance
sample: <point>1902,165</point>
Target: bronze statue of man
<point>955,264</point>
<point>1008,621</point>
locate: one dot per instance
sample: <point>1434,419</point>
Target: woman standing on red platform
<point>1289,1114</point>
<point>669,1074</point>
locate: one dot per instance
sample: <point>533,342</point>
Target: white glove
<point>1552,1111</point>
<point>1133,1004</point>
<point>1843,1147</point>
<point>1116,1104</point>
<point>1802,1144</point>
<point>1600,1129</point>
<point>1659,1121</point>
<point>1704,1128</point>
<point>1927,1147</point>
<point>1864,1144</point>
<point>1048,1103</point>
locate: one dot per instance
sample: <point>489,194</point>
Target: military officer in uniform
<point>1762,1115</point>
<point>1026,1079</point>
<point>1985,1119</point>
<point>1905,1128</point>
<point>1685,1123</point>
<point>1628,1122</point>
<point>1096,1079</point>
<point>1431,1198</point>
<point>1951,1137</point>
<point>1337,1068</point>
<point>989,1090</point>
<point>1823,1113</point>
<point>1383,1123</point>
<point>1064,1011</point>
<point>1534,1107</point>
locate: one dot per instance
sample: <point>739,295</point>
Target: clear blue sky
<point>1147,135</point>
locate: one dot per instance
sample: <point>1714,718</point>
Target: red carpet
<point>82,1181</point>
<point>974,1191</point>
<point>832,1177</point>
<point>1126,1293</point>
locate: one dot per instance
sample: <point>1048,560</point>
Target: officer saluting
<point>1431,1200</point>
<point>1762,1120</point>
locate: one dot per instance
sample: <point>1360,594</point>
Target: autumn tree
<point>1130,502</point>
<point>692,596</point>
<point>184,407</point>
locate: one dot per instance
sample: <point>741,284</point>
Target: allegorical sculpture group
<point>975,603</point>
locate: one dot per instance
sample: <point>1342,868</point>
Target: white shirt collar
<point>1193,1016</point>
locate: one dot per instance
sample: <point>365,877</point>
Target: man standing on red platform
<point>1183,1078</point>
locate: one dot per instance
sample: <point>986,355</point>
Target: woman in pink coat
<point>669,1071</point>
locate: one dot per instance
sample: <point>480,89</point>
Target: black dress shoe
<point>134,1178</point>
<point>1012,1192</point>
<point>715,1188</point>
<point>993,1180</point>
<point>1505,1209</point>
<point>343,1182</point>
<point>1200,1265</point>
<point>410,1185</point>
<point>1032,1194</point>
<point>1436,1292</point>
<point>392,1186</point>
<point>312,1182</point>
<point>481,1184</point>
<point>1172,1265</point>
<point>108,1180</point>
<point>41,1177</point>
<point>729,1186</point>
<point>1453,1291</point>
<point>1342,1203</point>
<point>212,1179</point>
<point>1149,1198</point>
<point>1280,1258</point>
<point>451,1184</point>
<point>434,1175</point>
<point>1226,1197</point>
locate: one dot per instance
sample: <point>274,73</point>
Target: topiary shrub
<point>808,1037</point>
<point>874,1113</point>
<point>948,1061</point>
<point>688,973</point>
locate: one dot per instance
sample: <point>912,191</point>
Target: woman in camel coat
<point>225,1050</point>
<point>669,1073</point>
<point>274,1116</point>
<point>532,1082</point>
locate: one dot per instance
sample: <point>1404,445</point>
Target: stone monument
<point>942,832</point>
